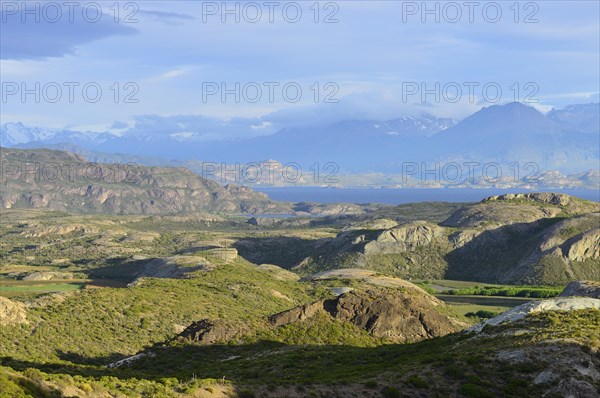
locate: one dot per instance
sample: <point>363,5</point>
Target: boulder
<point>582,289</point>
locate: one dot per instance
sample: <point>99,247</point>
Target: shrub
<point>475,391</point>
<point>390,392</point>
<point>246,393</point>
<point>416,381</point>
<point>455,372</point>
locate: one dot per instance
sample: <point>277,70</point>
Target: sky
<point>250,68</point>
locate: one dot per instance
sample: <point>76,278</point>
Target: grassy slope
<point>456,364</point>
<point>105,323</point>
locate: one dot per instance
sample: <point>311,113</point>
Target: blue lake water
<point>405,195</point>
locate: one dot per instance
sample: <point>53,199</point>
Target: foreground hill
<point>544,354</point>
<point>164,306</point>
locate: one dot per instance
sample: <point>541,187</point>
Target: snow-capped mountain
<point>13,134</point>
<point>585,117</point>
<point>564,139</point>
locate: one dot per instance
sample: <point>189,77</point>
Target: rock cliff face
<point>584,246</point>
<point>62,181</point>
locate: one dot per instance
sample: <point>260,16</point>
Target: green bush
<point>390,392</point>
<point>417,382</point>
<point>475,391</point>
<point>246,393</point>
<point>483,314</point>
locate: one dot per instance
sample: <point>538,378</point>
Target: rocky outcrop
<point>377,224</point>
<point>522,311</point>
<point>12,312</point>
<point>404,238</point>
<point>582,289</point>
<point>490,214</point>
<point>210,332</point>
<point>557,253</point>
<point>324,209</point>
<point>173,267</point>
<point>558,199</point>
<point>398,315</point>
<point>515,239</point>
<point>47,276</point>
<point>297,314</point>
<point>36,230</point>
<point>583,247</point>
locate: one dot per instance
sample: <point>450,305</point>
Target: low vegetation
<point>85,291</point>
<point>509,291</point>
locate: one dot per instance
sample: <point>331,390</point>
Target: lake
<point>401,195</point>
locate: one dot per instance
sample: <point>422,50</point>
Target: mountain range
<point>563,139</point>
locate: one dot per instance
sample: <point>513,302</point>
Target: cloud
<point>198,127</point>
<point>118,125</point>
<point>168,18</point>
<point>30,31</point>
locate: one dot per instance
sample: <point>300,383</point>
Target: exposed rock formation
<point>378,224</point>
<point>398,315</point>
<point>404,238</point>
<point>47,276</point>
<point>582,289</point>
<point>12,312</point>
<point>520,312</point>
<point>210,332</point>
<point>174,267</point>
<point>541,197</point>
<point>35,231</point>
<point>64,181</point>
<point>491,214</point>
<point>518,239</point>
<point>585,246</point>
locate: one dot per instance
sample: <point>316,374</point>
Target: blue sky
<point>170,51</point>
